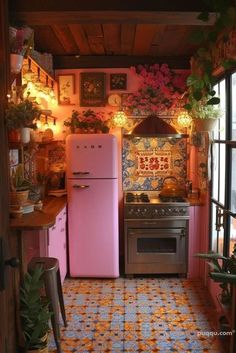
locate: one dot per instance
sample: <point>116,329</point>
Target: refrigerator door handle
<point>76,186</point>
<point>80,173</point>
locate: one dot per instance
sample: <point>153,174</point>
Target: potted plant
<point>87,122</point>
<point>34,313</point>
<point>21,42</point>
<point>22,115</point>
<point>19,186</point>
<point>223,271</point>
<point>200,99</point>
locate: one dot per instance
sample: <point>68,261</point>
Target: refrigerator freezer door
<point>93,228</point>
<point>91,156</point>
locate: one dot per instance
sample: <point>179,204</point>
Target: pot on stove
<point>171,188</point>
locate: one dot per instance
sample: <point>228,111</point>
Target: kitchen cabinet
<point>57,245</point>
<point>50,242</point>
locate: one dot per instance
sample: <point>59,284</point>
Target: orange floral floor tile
<point>138,315</point>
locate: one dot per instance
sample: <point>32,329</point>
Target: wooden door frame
<point>7,297</point>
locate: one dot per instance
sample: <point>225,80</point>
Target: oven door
<point>165,248</point>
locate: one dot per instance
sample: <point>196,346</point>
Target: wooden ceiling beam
<point>100,61</point>
<point>104,5</point>
<point>32,18</point>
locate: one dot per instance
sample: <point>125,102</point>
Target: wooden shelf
<point>174,136</point>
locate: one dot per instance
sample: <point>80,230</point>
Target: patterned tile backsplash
<point>146,161</point>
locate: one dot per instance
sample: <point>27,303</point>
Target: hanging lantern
<point>184,119</point>
<point>119,119</point>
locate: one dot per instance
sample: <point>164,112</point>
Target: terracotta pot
<point>205,124</point>
<point>19,197</point>
<point>16,63</point>
<point>13,135</point>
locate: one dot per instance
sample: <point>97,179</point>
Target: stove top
<point>148,205</point>
<point>152,198</point>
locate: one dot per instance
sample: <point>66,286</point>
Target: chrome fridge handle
<point>80,173</point>
<point>76,186</point>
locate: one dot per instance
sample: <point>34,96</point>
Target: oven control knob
<point>182,210</point>
<point>144,211</point>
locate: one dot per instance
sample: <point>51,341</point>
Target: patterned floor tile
<point>137,315</point>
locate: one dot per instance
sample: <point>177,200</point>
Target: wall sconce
<point>184,119</point>
<point>119,119</point>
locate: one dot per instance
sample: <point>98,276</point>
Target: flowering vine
<point>160,90</point>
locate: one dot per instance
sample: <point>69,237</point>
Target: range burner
<point>130,197</point>
<point>171,198</point>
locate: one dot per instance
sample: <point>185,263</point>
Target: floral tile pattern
<point>137,315</point>
<point>147,161</point>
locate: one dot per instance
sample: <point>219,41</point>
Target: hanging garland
<point>160,90</point>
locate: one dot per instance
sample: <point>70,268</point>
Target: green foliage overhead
<point>201,80</point>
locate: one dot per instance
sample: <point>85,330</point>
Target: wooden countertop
<point>42,219</point>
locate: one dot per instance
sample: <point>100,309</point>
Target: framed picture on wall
<point>118,81</point>
<point>66,88</point>
<point>92,89</point>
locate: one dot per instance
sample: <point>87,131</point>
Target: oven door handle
<point>150,223</point>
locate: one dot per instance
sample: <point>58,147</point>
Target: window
<point>223,198</point>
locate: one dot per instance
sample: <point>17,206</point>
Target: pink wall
<point>199,233</point>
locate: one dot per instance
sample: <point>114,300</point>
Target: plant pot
<point>14,135</point>
<point>25,134</point>
<point>19,197</point>
<point>205,124</point>
<point>16,63</point>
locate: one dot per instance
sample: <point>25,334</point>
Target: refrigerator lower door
<point>93,227</point>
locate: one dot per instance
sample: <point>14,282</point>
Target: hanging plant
<point>87,121</point>
<point>160,90</point>
<point>202,80</point>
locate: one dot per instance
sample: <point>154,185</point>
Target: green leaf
<point>187,106</point>
<point>223,277</point>
<point>212,93</point>
<point>197,95</point>
<point>203,16</point>
<point>212,36</point>
<point>227,64</point>
<point>213,101</point>
<point>197,37</point>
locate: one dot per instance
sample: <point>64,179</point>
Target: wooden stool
<point>53,289</point>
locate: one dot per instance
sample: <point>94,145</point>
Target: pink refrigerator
<point>92,189</point>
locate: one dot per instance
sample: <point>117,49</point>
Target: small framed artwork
<point>66,88</point>
<point>92,89</point>
<point>118,81</point>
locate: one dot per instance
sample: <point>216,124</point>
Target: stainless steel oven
<point>156,237</point>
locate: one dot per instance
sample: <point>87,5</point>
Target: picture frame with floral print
<point>118,81</point>
<point>92,89</point>
<point>66,88</point>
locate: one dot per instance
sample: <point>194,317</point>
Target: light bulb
<point>119,119</point>
<point>184,119</point>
